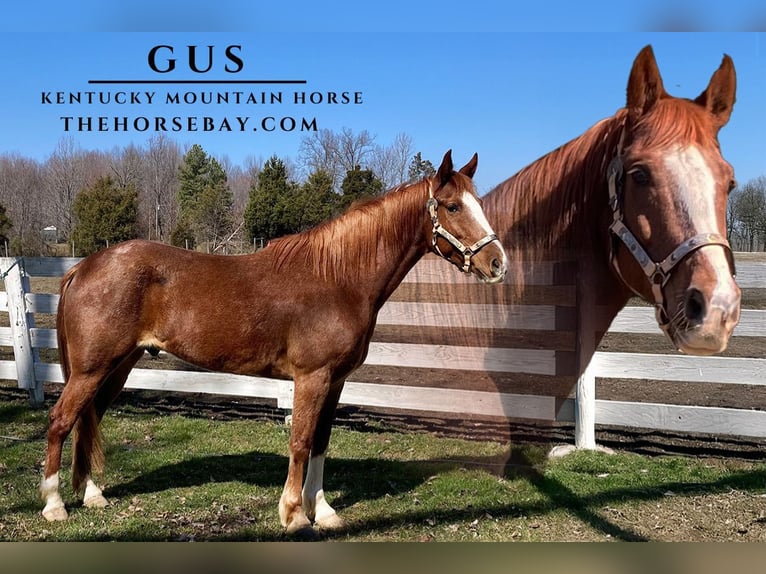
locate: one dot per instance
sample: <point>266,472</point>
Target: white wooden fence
<point>445,375</point>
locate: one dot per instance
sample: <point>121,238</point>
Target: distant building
<point>51,234</point>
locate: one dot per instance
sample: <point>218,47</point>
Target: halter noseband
<point>438,231</point>
<point>658,273</point>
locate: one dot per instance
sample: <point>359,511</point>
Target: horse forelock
<point>349,247</point>
<point>674,121</point>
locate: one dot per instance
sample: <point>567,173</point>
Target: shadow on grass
<point>10,413</point>
<point>18,413</point>
<point>359,480</point>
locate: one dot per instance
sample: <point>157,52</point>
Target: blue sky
<point>510,96</point>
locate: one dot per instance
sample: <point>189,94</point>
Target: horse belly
<point>224,348</point>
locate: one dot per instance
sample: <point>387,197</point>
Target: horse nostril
<point>497,267</point>
<point>694,306</point>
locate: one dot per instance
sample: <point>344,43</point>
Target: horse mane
<point>349,247</point>
<point>549,205</point>
<point>542,207</point>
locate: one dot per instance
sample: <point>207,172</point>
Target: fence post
<point>585,410</point>
<point>16,287</point>
<point>585,391</point>
<point>285,400</point>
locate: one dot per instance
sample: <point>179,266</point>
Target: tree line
<point>746,216</point>
<point>78,201</point>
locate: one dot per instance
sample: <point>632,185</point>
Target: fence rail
<point>462,358</point>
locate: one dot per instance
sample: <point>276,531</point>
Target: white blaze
<point>695,183</point>
<point>477,213</point>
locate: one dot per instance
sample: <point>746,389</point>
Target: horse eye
<point>453,207</point>
<point>640,176</point>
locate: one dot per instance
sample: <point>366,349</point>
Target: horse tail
<point>87,447</point>
<point>87,442</point>
<point>60,327</point>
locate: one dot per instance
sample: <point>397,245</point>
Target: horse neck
<point>402,244</point>
<point>368,249</point>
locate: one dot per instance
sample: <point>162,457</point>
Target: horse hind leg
<point>77,396</point>
<point>82,403</point>
<point>88,445</point>
<point>315,504</point>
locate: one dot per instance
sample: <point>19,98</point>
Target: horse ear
<point>720,94</point>
<point>644,85</point>
<point>470,168</point>
<point>444,174</point>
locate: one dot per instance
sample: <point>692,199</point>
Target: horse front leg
<point>309,396</point>
<point>315,504</point>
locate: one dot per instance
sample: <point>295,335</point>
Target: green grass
<point>170,477</point>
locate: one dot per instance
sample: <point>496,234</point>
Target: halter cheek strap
<point>438,231</point>
<point>658,273</point>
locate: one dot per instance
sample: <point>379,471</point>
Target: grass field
<point>180,478</point>
<point>186,476</point>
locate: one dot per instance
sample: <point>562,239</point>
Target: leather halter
<point>438,231</point>
<point>658,273</point>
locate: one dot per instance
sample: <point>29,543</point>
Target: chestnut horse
<point>303,308</point>
<point>640,200</point>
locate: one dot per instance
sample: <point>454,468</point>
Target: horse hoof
<point>55,514</point>
<point>300,528</point>
<point>96,501</point>
<point>331,522</point>
<point>302,534</point>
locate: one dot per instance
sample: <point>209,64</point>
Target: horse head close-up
<point>668,186</point>
<point>640,197</point>
<point>471,246</point>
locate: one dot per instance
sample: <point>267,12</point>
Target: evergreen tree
<point>182,235</point>
<point>359,184</point>
<point>420,168</point>
<point>192,178</point>
<point>317,201</point>
<point>204,200</point>
<point>212,215</point>
<point>105,214</point>
<point>5,226</point>
<point>271,207</point>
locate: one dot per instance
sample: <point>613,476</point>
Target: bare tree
<point>126,166</point>
<point>746,215</point>
<point>158,204</point>
<point>335,154</point>
<point>239,184</point>
<point>390,163</point>
<point>64,177</point>
<point>20,192</point>
<point>354,150</point>
<point>253,165</point>
<point>320,152</point>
